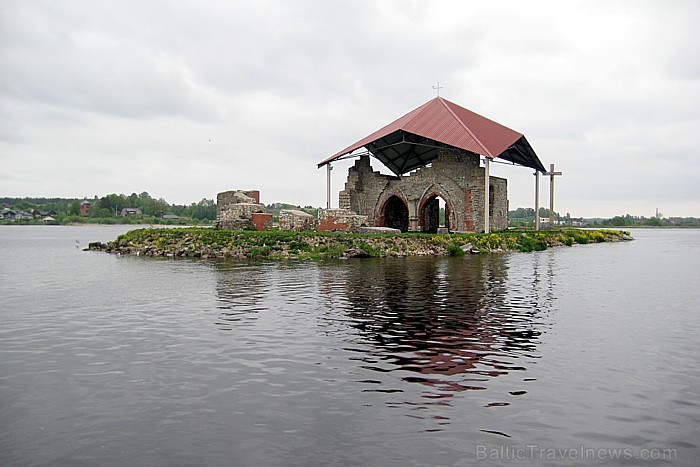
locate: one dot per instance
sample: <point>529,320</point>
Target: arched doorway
<point>395,214</point>
<point>434,213</point>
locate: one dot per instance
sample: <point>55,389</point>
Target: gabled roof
<point>413,140</point>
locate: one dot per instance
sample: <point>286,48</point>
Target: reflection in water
<point>450,324</point>
<point>241,291</point>
<point>356,362</point>
<point>452,321</point>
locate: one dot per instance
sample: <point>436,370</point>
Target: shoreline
<point>207,243</point>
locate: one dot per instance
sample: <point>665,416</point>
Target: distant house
<point>40,214</point>
<point>577,221</point>
<point>85,207</point>
<point>171,216</point>
<point>545,220</point>
<point>126,212</point>
<point>15,215</point>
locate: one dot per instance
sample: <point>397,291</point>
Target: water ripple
<point>114,360</point>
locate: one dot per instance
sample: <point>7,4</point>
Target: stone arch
<point>429,212</point>
<point>393,213</point>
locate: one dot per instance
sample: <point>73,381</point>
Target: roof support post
<point>487,194</point>
<point>328,185</point>
<point>537,200</point>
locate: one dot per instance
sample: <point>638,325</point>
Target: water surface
<point>117,360</point>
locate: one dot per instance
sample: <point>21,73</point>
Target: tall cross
<point>437,88</point>
<point>551,174</point>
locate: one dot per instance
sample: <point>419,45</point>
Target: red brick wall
<point>329,224</point>
<point>262,221</point>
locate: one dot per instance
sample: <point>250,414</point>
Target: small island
<point>197,242</point>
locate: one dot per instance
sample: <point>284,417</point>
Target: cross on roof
<point>438,87</point>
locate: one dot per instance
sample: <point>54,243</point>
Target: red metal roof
<point>445,123</point>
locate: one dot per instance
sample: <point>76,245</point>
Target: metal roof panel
<point>447,123</point>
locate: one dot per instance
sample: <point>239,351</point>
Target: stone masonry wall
<point>292,219</point>
<point>456,177</point>
<point>235,209</point>
<point>343,220</point>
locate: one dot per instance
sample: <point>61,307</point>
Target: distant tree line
<point>108,209</point>
<point>525,217</point>
<point>628,220</point>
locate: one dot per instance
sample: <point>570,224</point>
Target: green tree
<point>617,221</point>
<point>132,201</point>
<point>205,209</point>
<point>74,208</point>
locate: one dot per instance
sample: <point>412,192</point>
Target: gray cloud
<point>186,99</point>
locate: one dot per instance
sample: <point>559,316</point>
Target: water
<point>565,356</point>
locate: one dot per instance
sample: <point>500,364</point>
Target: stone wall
<point>235,209</point>
<point>293,219</point>
<point>340,220</point>
<point>454,176</point>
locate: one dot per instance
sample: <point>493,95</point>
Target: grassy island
<point>279,244</point>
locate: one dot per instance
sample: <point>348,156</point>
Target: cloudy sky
<point>186,99</point>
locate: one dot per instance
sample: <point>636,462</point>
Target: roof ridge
<point>420,110</point>
<point>478,141</point>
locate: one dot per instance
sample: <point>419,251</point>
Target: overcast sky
<point>187,99</point>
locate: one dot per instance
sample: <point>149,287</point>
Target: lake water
<point>587,354</point>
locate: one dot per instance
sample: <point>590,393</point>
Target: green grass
<point>277,244</point>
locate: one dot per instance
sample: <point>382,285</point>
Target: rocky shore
<point>211,243</point>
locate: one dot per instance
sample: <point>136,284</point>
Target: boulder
<point>355,253</point>
<point>469,248</point>
<point>378,230</point>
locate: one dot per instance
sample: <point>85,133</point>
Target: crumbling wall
<point>235,209</point>
<point>340,220</point>
<point>454,176</point>
<point>292,219</point>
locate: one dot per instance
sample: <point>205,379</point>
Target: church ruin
<point>434,151</point>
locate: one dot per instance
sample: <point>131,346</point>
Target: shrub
<point>454,250</point>
<point>295,245</point>
<point>260,252</point>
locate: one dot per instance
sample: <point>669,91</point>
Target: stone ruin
<point>410,202</point>
<point>293,219</point>
<point>371,200</point>
<point>241,210</point>
<point>340,220</point>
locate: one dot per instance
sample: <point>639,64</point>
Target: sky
<point>190,98</point>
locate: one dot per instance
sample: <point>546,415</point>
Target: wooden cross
<point>438,87</point>
<point>551,174</point>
